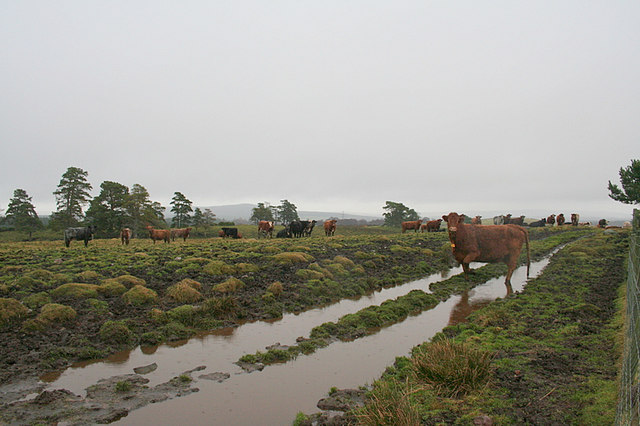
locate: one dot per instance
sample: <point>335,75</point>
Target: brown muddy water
<point>275,395</point>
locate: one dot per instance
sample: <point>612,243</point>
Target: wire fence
<point>628,412</point>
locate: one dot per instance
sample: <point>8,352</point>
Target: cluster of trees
<point>115,207</point>
<point>284,213</point>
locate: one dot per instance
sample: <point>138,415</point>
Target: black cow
<point>85,234</point>
<point>538,223</point>
<point>307,231</point>
<point>284,233</point>
<point>230,232</point>
<point>297,227</point>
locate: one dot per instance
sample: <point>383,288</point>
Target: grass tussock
<point>75,290</point>
<point>291,257</point>
<point>452,368</point>
<point>229,286</point>
<point>186,291</point>
<point>11,310</point>
<point>390,404</point>
<point>140,295</point>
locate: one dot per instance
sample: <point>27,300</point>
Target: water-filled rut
<point>274,396</point>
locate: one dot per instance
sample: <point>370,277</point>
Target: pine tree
<point>141,211</point>
<point>108,210</point>
<point>287,212</point>
<point>630,181</point>
<point>21,214</point>
<point>262,212</point>
<point>396,213</point>
<point>72,194</point>
<point>181,209</point>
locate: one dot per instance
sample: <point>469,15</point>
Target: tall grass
<point>390,404</point>
<point>451,368</point>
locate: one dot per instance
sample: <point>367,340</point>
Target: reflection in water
<point>274,396</point>
<point>464,307</point>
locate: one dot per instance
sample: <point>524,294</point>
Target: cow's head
<point>453,220</point>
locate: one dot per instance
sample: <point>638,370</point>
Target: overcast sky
<point>497,106</point>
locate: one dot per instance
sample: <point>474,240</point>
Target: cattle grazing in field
<point>487,243</point>
<point>125,236</point>
<point>180,233</point>
<point>560,219</point>
<point>309,228</point>
<point>230,232</point>
<point>265,228</point>
<point>538,223</point>
<point>330,227</point>
<point>551,219</point>
<point>82,233</point>
<point>508,220</point>
<point>284,233</point>
<point>476,220</point>
<point>411,224</point>
<point>434,225</point>
<point>575,219</point>
<point>159,234</point>
<point>298,227</point>
<point>602,223</point>
<point>498,220</point>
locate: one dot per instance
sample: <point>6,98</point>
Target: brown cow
<point>180,232</point>
<point>476,220</point>
<point>487,243</point>
<point>560,219</point>
<point>575,219</point>
<point>551,219</point>
<point>125,235</point>
<point>433,225</point>
<point>412,224</point>
<point>514,220</point>
<point>159,234</point>
<point>265,227</point>
<point>330,227</point>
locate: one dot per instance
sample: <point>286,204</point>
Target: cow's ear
<point>461,218</point>
<point>446,218</point>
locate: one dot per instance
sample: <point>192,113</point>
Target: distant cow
<point>309,228</point>
<point>487,243</point>
<point>602,223</point>
<point>125,235</point>
<point>575,219</point>
<point>434,225</point>
<point>85,234</point>
<point>180,233</point>
<point>560,219</point>
<point>230,232</point>
<point>476,220</point>
<point>265,228</point>
<point>551,219</point>
<point>330,227</point>
<point>539,223</point>
<point>498,220</point>
<point>298,227</point>
<point>411,224</point>
<point>284,233</point>
<point>159,234</point>
<point>513,220</point>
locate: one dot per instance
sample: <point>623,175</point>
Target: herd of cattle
<point>304,228</point>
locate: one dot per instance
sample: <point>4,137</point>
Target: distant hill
<point>244,211</point>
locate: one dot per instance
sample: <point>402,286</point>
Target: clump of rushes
<point>76,291</point>
<point>218,267</point>
<point>291,257</point>
<point>41,274</point>
<point>115,332</point>
<point>451,368</point>
<point>140,295</point>
<point>275,288</point>
<point>186,291</point>
<point>87,277</point>
<point>111,287</point>
<point>11,310</point>
<point>130,280</point>
<point>123,386</point>
<point>219,307</point>
<point>55,313</point>
<point>390,403</point>
<point>229,286</point>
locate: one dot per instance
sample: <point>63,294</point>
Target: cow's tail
<point>526,240</point>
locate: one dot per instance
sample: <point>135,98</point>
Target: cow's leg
<point>67,242</point>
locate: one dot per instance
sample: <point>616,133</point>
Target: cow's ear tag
<point>453,245</point>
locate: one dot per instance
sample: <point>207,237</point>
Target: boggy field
<point>60,305</point>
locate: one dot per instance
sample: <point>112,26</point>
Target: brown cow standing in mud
<point>265,228</point>
<point>330,227</point>
<point>159,234</point>
<point>180,233</point>
<point>413,224</point>
<point>125,236</point>
<point>487,243</point>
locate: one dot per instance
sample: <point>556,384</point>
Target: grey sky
<point>497,106</point>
